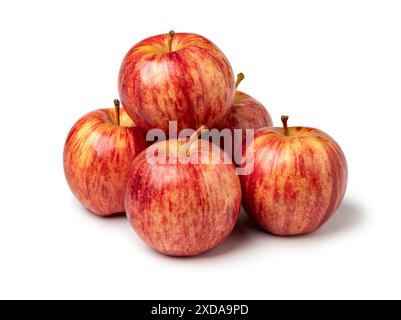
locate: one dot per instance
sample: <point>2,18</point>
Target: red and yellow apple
<point>183,208</point>
<point>98,155</point>
<point>298,181</point>
<point>246,112</point>
<point>179,77</point>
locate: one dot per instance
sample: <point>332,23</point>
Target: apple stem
<point>193,138</point>
<point>284,119</point>
<point>171,36</point>
<point>117,107</point>
<point>240,77</point>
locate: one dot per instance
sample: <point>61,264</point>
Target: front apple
<point>179,77</point>
<point>98,154</point>
<point>298,182</point>
<point>183,209</point>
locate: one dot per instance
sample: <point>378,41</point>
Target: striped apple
<point>246,113</point>
<point>179,77</point>
<point>98,154</point>
<point>183,209</point>
<point>298,182</point>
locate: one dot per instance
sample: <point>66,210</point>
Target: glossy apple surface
<point>183,209</point>
<point>298,182</point>
<point>179,77</point>
<point>98,155</point>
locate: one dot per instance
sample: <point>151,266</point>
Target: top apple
<point>179,77</point>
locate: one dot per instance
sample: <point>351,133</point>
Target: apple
<point>98,154</point>
<point>246,113</point>
<point>183,208</point>
<point>179,77</point>
<point>298,181</point>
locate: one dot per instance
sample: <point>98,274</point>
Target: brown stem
<point>284,119</point>
<point>193,138</point>
<point>240,77</point>
<point>171,36</point>
<point>117,108</point>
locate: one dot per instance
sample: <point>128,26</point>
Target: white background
<point>335,65</point>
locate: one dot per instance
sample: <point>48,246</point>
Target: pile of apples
<point>299,174</point>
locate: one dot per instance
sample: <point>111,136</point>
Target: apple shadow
<point>118,215</point>
<point>348,217</point>
<point>246,232</point>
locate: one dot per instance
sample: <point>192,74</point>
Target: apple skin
<point>98,155</point>
<point>246,113</point>
<point>193,84</point>
<point>298,180</point>
<point>183,209</point>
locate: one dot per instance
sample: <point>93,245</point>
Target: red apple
<point>179,77</point>
<point>298,182</point>
<point>183,209</point>
<point>246,113</point>
<point>98,154</point>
